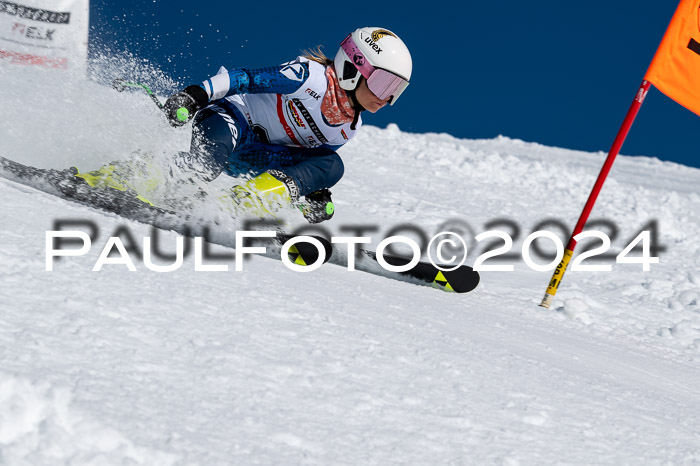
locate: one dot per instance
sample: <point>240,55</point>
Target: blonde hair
<point>317,55</point>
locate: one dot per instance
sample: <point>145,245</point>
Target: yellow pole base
<point>556,279</point>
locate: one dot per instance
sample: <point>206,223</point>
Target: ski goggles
<point>382,83</point>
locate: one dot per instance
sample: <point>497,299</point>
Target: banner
<point>675,69</point>
<point>48,33</point>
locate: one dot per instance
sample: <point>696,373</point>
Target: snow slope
<point>270,366</point>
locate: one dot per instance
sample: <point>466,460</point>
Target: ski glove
<point>318,206</point>
<point>181,107</point>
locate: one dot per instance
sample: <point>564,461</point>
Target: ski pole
<point>120,85</point>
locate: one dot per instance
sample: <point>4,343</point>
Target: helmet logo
<point>379,33</point>
<point>358,59</point>
<point>373,45</point>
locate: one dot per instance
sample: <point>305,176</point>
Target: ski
<point>64,184</point>
<point>463,279</point>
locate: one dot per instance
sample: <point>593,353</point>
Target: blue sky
<point>558,73</point>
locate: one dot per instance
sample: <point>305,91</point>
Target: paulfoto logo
<point>447,250</point>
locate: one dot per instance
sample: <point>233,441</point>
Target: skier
<point>283,124</point>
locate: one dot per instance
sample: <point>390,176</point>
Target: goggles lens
<point>384,84</point>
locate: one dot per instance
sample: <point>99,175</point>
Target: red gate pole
<point>614,150</point>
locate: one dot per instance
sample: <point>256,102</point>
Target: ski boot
<point>112,176</point>
<point>264,195</point>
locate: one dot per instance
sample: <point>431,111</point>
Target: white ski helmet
<point>380,57</point>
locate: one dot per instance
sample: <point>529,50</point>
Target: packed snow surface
<point>271,366</point>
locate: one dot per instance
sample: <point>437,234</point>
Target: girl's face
<point>367,99</point>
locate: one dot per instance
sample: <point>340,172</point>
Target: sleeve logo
<point>293,71</point>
